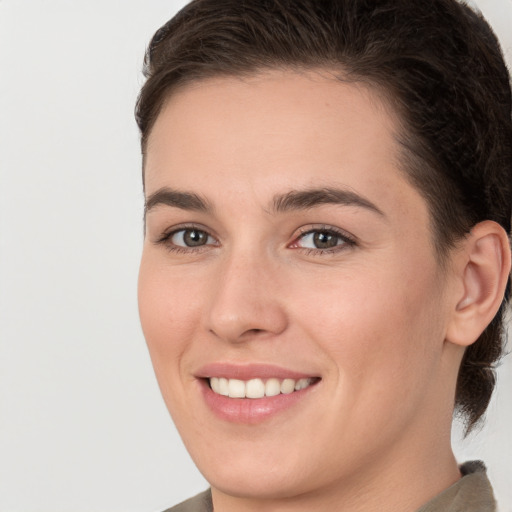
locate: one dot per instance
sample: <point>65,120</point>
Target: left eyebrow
<point>310,198</point>
<point>177,199</point>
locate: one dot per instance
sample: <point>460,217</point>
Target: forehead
<point>282,109</point>
<point>274,131</point>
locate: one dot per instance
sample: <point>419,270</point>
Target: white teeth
<point>256,388</point>
<point>223,387</point>
<point>301,384</point>
<point>287,386</point>
<point>236,388</point>
<point>272,387</point>
<point>214,384</point>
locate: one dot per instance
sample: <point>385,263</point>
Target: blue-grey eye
<point>320,240</point>
<point>191,237</point>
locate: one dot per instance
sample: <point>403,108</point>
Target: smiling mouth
<point>258,388</point>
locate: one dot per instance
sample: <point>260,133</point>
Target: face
<point>289,291</point>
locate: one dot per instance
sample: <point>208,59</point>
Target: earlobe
<point>483,272</point>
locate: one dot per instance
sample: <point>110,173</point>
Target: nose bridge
<point>245,300</point>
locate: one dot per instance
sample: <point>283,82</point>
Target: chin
<point>257,483</point>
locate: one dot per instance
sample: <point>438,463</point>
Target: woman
<point>328,204</point>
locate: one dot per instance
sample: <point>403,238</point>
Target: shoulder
<point>472,493</point>
<point>200,503</point>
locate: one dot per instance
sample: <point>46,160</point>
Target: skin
<point>371,317</point>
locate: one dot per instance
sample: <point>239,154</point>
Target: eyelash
<point>346,239</point>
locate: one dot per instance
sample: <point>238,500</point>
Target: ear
<point>482,269</point>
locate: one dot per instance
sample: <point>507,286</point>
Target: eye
<point>325,239</point>
<point>320,240</point>
<point>186,239</point>
<point>190,237</point>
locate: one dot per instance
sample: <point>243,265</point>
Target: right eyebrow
<point>311,198</point>
<point>176,199</point>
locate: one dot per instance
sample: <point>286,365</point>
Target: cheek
<point>381,327</point>
<point>168,314</point>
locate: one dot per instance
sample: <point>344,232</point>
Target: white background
<point>82,424</point>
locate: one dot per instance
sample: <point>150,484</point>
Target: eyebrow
<point>291,201</point>
<point>311,198</point>
<point>177,199</point>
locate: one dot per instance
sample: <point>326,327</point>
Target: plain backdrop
<point>82,424</point>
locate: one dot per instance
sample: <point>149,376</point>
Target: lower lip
<point>251,410</point>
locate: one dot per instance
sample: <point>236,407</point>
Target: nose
<point>246,301</point>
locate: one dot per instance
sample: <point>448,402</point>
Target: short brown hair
<point>440,66</point>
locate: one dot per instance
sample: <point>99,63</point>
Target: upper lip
<point>249,371</point>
